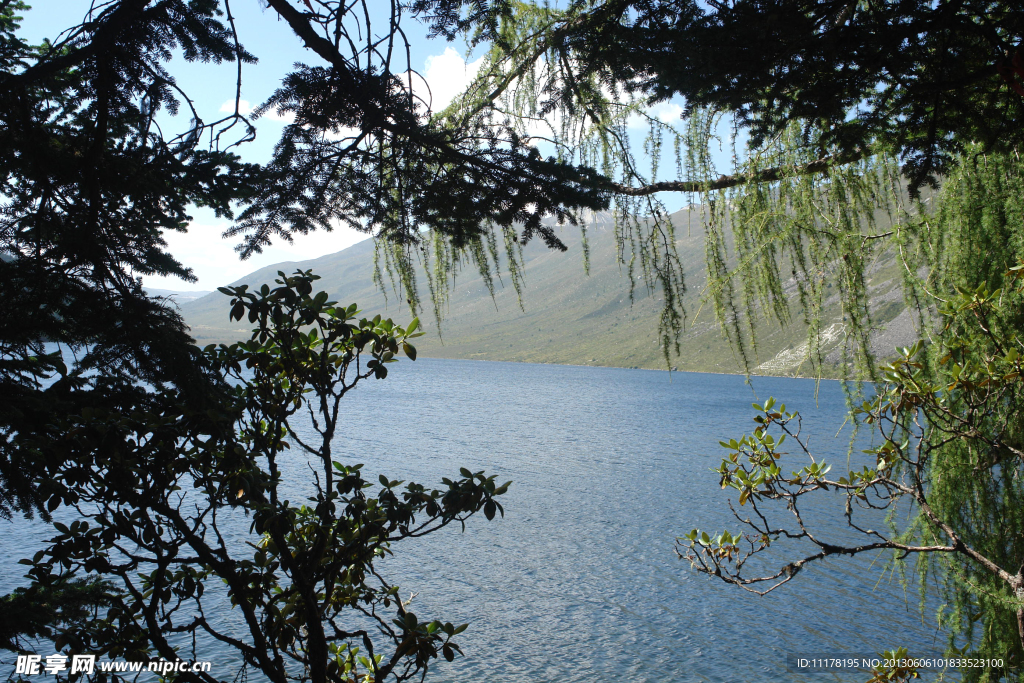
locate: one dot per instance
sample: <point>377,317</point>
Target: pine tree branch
<point>374,114</point>
<point>119,19</point>
<point>723,182</point>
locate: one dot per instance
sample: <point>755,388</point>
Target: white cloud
<point>215,262</point>
<point>666,112</point>
<point>447,75</point>
<point>244,107</point>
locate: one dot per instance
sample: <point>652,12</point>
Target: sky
<point>212,257</point>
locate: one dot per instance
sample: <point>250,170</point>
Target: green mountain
<point>570,317</point>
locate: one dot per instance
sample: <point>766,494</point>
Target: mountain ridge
<point>570,318</point>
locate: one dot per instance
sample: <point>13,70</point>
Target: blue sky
<point>212,88</point>
<point>211,256</point>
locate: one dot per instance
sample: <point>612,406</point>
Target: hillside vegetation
<point>572,318</point>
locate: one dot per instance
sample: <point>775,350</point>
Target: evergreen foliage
<point>89,183</point>
<point>824,103</point>
<point>101,152</point>
<point>94,171</point>
<point>922,78</point>
<point>46,611</point>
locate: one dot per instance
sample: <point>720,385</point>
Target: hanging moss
<point>971,241</point>
<point>811,217</point>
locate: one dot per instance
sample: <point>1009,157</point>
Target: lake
<point>580,581</point>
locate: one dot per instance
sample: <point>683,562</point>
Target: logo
<point>35,665</point>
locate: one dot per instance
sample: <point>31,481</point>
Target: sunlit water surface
<point>580,581</point>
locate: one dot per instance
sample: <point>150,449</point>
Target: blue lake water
<point>580,581</point>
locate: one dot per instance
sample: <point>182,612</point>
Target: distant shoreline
<point>622,367</point>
